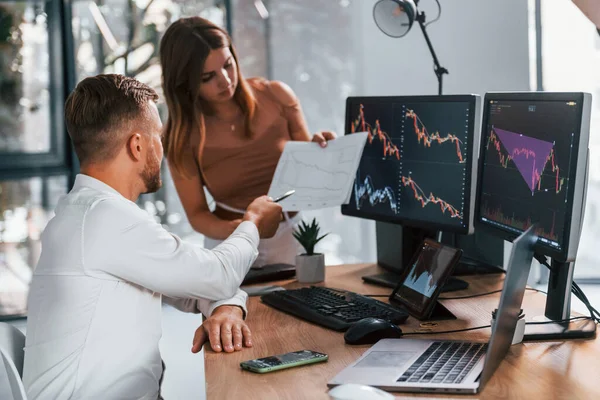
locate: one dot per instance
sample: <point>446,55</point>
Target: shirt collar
<point>83,181</point>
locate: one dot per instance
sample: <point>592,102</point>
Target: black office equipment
<point>421,284</point>
<point>332,308</point>
<point>269,273</point>
<point>533,169</point>
<point>371,330</point>
<point>396,245</point>
<point>417,170</point>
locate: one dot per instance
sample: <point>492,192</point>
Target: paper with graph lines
<point>322,177</point>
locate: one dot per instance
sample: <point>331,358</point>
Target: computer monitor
<point>416,170</point>
<point>533,169</point>
<point>418,164</point>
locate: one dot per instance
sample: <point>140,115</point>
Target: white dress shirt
<point>94,313</point>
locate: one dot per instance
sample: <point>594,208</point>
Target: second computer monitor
<point>533,168</point>
<point>418,164</point>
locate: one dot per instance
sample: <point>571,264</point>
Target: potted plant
<point>310,266</point>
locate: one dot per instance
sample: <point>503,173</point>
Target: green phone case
<point>261,370</point>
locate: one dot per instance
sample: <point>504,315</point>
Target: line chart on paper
<point>321,177</point>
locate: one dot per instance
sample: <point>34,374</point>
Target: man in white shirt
<point>95,302</point>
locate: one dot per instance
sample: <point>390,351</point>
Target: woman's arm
<point>191,192</point>
<point>293,112</point>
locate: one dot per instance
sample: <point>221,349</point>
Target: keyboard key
<point>428,376</point>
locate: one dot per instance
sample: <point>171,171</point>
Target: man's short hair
<point>99,109</point>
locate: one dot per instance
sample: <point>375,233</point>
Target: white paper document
<point>322,177</point>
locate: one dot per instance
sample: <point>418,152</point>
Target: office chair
<point>12,342</point>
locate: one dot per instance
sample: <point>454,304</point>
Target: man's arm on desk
<point>224,327</point>
<point>128,246</point>
<point>206,307</point>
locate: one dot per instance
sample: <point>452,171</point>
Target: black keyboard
<point>332,308</point>
<point>445,362</point>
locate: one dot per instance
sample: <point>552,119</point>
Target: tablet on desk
<point>421,283</point>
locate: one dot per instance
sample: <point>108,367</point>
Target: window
<point>25,207</point>
<point>571,62</point>
<point>250,34</point>
<point>32,133</point>
<point>33,144</point>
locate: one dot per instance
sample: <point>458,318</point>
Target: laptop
<point>440,366</point>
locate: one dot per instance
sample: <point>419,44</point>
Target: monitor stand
<point>558,307</point>
<point>396,245</point>
<point>473,261</point>
<point>469,266</point>
<point>439,313</point>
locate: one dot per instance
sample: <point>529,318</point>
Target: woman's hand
<point>323,137</point>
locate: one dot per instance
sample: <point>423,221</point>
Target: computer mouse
<point>370,330</point>
<point>355,391</point>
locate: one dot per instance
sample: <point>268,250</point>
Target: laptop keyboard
<point>444,362</point>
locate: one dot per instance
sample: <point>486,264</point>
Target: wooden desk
<point>532,371</point>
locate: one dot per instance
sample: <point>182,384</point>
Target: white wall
<point>571,62</point>
<point>483,44</point>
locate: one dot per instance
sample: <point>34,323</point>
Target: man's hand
<point>323,137</point>
<point>265,214</point>
<point>225,329</point>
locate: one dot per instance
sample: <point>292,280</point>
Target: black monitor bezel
<point>510,235</point>
<point>474,118</point>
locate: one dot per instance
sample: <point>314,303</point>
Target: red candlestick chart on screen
<point>425,200</point>
<point>498,216</point>
<point>423,136</point>
<point>375,132</point>
<point>531,156</point>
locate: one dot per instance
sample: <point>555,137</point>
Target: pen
<point>284,196</point>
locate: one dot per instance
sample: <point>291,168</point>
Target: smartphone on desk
<point>283,361</point>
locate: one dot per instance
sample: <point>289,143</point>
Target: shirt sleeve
<point>206,307</point>
<point>127,244</point>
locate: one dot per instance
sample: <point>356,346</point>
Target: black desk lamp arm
<point>438,69</point>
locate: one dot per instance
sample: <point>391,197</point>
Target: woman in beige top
<point>225,133</point>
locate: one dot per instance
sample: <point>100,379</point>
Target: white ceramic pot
<point>310,269</point>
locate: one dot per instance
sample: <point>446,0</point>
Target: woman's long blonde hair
<point>183,52</point>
